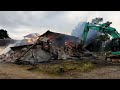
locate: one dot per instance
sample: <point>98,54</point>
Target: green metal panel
<point>116,53</point>
<point>85,32</point>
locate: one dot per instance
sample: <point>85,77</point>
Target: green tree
<point>103,37</point>
<point>4,34</point>
<point>97,44</point>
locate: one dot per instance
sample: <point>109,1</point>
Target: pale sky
<point>21,23</point>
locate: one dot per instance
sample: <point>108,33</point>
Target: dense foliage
<point>3,34</point>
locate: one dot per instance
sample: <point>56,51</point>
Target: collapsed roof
<point>59,39</point>
<point>32,35</point>
<point>28,39</point>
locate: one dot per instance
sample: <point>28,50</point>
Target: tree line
<point>4,34</point>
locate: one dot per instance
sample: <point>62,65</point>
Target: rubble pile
<point>45,49</point>
<point>44,53</point>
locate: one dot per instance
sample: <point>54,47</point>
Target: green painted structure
<point>103,28</point>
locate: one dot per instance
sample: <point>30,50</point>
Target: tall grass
<point>66,66</point>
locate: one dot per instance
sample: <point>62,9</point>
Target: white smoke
<point>78,31</point>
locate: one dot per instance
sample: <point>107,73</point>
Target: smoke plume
<point>92,34</point>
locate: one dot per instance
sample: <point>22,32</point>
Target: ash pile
<point>50,46</point>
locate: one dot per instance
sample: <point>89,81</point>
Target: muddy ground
<point>13,71</point>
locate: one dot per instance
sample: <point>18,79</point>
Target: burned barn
<point>48,46</point>
<point>44,51</point>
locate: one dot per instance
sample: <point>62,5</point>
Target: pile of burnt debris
<point>46,48</point>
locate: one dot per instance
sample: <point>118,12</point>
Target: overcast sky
<point>21,23</point>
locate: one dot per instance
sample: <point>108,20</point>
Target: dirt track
<point>12,71</point>
<point>106,72</point>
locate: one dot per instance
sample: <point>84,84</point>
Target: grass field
<point>60,70</point>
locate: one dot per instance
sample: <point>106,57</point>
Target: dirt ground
<point>105,72</point>
<point>13,71</point>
